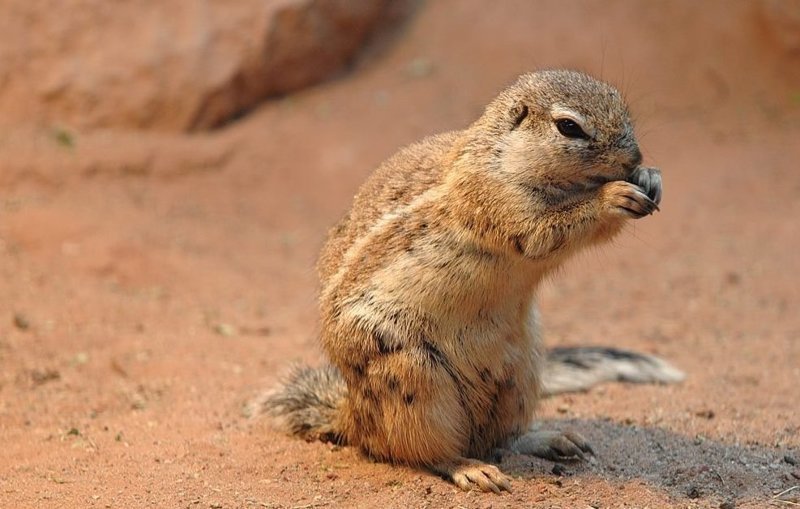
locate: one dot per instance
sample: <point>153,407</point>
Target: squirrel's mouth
<point>595,181</point>
<point>564,191</point>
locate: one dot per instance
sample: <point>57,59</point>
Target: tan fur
<point>428,284</point>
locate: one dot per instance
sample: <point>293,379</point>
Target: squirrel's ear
<point>517,114</point>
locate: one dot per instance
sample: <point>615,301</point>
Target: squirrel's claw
<point>650,180</point>
<point>629,199</point>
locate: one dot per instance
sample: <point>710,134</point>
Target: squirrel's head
<point>561,130</point>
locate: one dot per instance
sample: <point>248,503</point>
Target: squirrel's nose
<point>636,155</point>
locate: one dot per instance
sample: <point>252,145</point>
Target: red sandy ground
<point>145,299</point>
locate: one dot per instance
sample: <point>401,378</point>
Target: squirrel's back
<point>393,185</point>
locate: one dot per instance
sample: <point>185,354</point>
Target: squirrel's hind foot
<point>553,445</point>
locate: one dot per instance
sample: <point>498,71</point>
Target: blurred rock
<point>169,65</point>
<point>782,20</point>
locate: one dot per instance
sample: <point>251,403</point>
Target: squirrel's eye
<point>570,129</point>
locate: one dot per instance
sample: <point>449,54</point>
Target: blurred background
<point>168,172</point>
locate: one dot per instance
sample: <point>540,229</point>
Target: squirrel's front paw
<point>626,199</point>
<point>468,473</point>
<point>648,179</point>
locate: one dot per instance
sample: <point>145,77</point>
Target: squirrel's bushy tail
<point>308,403</point>
<point>579,368</point>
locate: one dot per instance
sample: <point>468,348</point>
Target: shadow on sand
<point>686,468</point>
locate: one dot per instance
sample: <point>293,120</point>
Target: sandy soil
<point>150,286</point>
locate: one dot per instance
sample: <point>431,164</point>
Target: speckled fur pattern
<point>429,283</point>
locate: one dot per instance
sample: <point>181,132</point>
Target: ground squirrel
<point>429,283</point>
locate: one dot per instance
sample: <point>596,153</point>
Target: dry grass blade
<point>777,498</point>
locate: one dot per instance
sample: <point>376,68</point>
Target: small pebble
<point>225,329</point>
<point>39,377</point>
<point>21,321</point>
<point>706,414</point>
